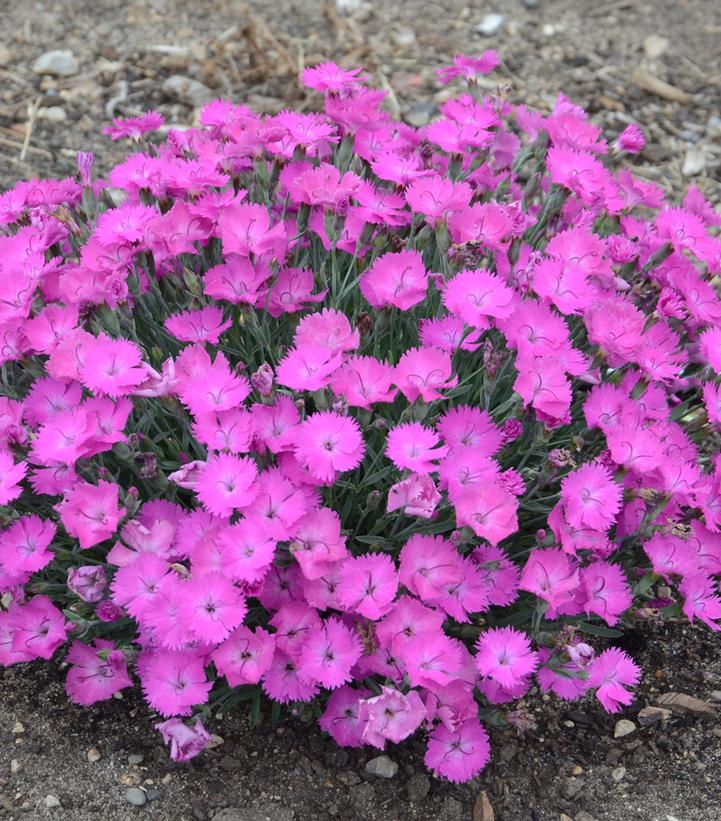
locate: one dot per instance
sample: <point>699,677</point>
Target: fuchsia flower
<point>245,656</point>
<point>608,673</point>
<point>96,673</point>
<point>414,447</point>
<point>309,367</point>
<point>212,606</point>
<point>185,742</point>
<point>417,495</point>
<point>341,717</point>
<point>505,655</point>
<point>37,629</point>
<point>90,513</point>
<point>399,280</point>
<point>173,681</point>
<point>391,716</point>
<point>423,373</point>
<point>327,443</point>
<point>591,498</point>
<point>205,325</point>
<point>11,474</point>
<point>368,584</point>
<point>458,754</point>
<point>469,67</point>
<point>363,381</point>
<point>226,483</point>
<point>631,140</point>
<point>329,653</point>
<point>134,127</point>
<point>607,591</point>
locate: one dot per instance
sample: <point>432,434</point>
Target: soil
<point>569,763</point>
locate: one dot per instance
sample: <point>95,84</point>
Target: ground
<point>598,53</point>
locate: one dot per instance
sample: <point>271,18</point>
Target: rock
<point>14,766</point>
<point>483,809</point>
<point>348,778</point>
<point>6,56</point>
<point>623,728</point>
<point>58,63</point>
<point>93,755</point>
<point>655,45</point>
<point>618,774</point>
<point>53,114</point>
<point>348,6</point>
<point>52,801</point>
<point>152,794</point>
<point>451,810</point>
<point>715,695</point>
<point>571,787</point>
<point>652,715</point>
<point>576,769</point>
<point>681,703</point>
<point>136,758</point>
<point>694,162</point>
<point>582,815</point>
<point>418,787</point>
<point>564,817</point>
<point>136,797</point>
<point>18,728</point>
<point>531,4</point>
<point>491,24</point>
<point>188,91</point>
<point>403,37</point>
<point>382,766</point>
<point>227,762</point>
<point>267,812</point>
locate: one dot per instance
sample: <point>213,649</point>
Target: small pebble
<point>382,766</point>
<point>623,728</point>
<point>577,770</point>
<point>14,766</point>
<point>348,778</point>
<point>694,162</point>
<point>531,4</point>
<point>652,715</point>
<point>58,63</point>
<point>491,24</point>
<point>187,90</point>
<point>418,787</point>
<point>715,695</point>
<point>618,774</point>
<point>136,758</point>
<point>53,114</point>
<point>136,796</point>
<point>93,755</point>
<point>52,801</point>
<point>18,728</point>
<point>655,45</point>
<point>568,723</point>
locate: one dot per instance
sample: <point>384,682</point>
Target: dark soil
<point>252,53</point>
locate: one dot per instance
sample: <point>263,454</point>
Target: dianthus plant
<point>388,424</point>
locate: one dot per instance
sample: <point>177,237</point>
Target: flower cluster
<point>379,419</point>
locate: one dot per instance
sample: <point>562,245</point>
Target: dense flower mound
<point>388,424</point>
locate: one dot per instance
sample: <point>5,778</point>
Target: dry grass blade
<point>482,809</point>
<point>643,78</point>
<point>681,703</point>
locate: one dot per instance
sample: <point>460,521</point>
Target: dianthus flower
<point>391,716</point>
<point>458,754</point>
<point>414,447</point>
<point>11,474</point>
<point>173,681</point>
<point>134,127</point>
<point>282,682</point>
<point>608,673</point>
<point>327,443</point>
<point>341,720</point>
<point>427,563</point>
<point>96,672</point>
<point>469,67</point>
<point>397,279</point>
<point>185,742</point>
<point>24,545</point>
<point>368,584</point>
<point>417,495</point>
<point>606,590</point>
<point>245,656</point>
<point>363,381</point>
<point>37,629</point>
<point>551,575</point>
<point>90,513</point>
<point>308,367</point>
<point>205,325</point>
<point>423,373</point>
<point>631,140</point>
<point>328,654</point>
<point>591,498</point>
<point>505,655</point>
<point>225,483</point>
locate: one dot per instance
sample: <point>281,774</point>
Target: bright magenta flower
<point>396,279</point>
<point>327,443</point>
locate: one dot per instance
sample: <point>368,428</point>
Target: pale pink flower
<point>458,754</point>
<point>422,373</point>
<point>368,584</point>
<point>417,495</point>
<point>185,742</point>
<point>391,716</point>
<point>396,279</point>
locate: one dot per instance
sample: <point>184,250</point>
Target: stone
<point>623,728</point>
<point>694,162</point>
<point>136,758</point>
<point>14,766</point>
<point>577,769</point>
<point>571,787</point>
<point>6,56</point>
<point>188,91</point>
<point>564,817</point>
<point>60,63</point>
<point>491,24</point>
<point>451,810</point>
<point>267,812</point>
<point>348,778</point>
<point>418,787</point>
<point>715,695</point>
<point>136,797</point>
<point>403,37</point>
<point>18,728</point>
<point>53,114</point>
<point>618,774</point>
<point>93,755</point>
<point>582,815</point>
<point>655,45</point>
<point>227,762</point>
<point>382,766</point>
<point>531,4</point>
<point>52,802</point>
<point>652,715</point>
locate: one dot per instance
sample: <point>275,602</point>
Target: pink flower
<point>363,381</point>
<point>318,543</point>
<point>391,716</point>
<point>96,672</point>
<point>226,483</point>
<point>458,754</point>
<point>328,654</point>
<point>328,443</point>
<point>488,509</point>
<point>38,628</point>
<point>330,78</point>
<point>607,591</point>
<point>24,545</point>
<point>11,474</point>
<point>474,296</point>
<point>500,575</point>
<point>396,279</point>
<point>173,681</point>
<point>417,495</point>
<point>308,368</point>
<point>435,660</point>
<point>212,606</point>
<point>701,599</point>
<point>591,498</point>
<point>283,684</point>
<point>328,329</point>
<point>465,427</point>
<point>134,127</point>
<point>414,447</point>
<point>237,280</point>
<point>205,325</point>
<point>245,656</point>
<point>293,288</point>
<point>246,230</point>
<point>368,584</point>
<point>608,673</point>
<point>505,655</point>
<point>341,719</point>
<point>437,197</point>
<point>185,742</point>
<point>551,575</point>
<point>112,366</point>
<point>631,140</point>
<point>427,564</point>
<point>88,582</point>
<point>468,68</point>
<point>423,373</point>
<point>90,513</point>
<point>449,334</point>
